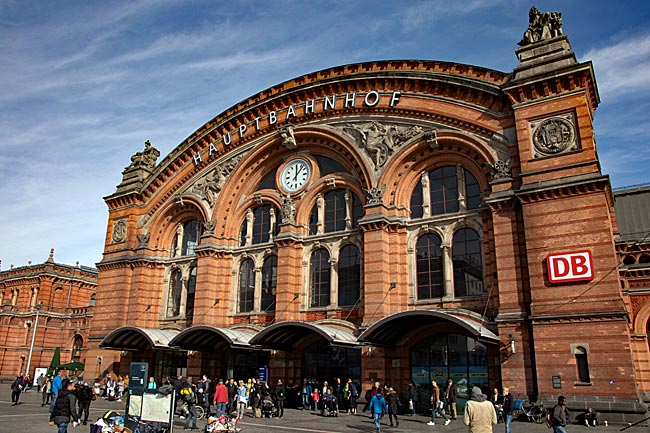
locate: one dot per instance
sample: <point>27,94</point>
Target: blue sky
<point>84,83</point>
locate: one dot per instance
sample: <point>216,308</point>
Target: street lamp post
<point>31,347</point>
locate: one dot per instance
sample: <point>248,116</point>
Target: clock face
<point>295,175</point>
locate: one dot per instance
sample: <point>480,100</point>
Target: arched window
<point>175,293</point>
<point>645,258</point>
<point>92,300</point>
<point>429,267</point>
<point>468,266</point>
<point>629,260</point>
<point>269,282</point>
<point>582,364</point>
<point>246,286</point>
<point>259,226</point>
<point>445,190</point>
<point>76,348</point>
<point>191,290</point>
<point>349,275</point>
<point>264,224</point>
<point>319,277</point>
<point>342,210</point>
<point>186,238</point>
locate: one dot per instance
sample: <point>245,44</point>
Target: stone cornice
<point>564,187</point>
<point>591,316</point>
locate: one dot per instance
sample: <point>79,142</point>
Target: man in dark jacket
<point>16,389</point>
<point>84,396</point>
<point>65,408</point>
<point>413,397</point>
<point>451,394</point>
<point>280,396</point>
<point>560,415</point>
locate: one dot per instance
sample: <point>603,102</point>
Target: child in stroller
<point>269,408</point>
<point>330,404</point>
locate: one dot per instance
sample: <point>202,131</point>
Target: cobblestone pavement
<point>30,417</point>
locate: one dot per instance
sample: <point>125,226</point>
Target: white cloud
<point>623,69</point>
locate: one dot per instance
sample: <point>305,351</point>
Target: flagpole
<point>31,347</point>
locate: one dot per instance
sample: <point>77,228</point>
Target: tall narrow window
<point>416,202</point>
<point>188,234</point>
<point>582,364</point>
<point>246,286</point>
<point>319,276</point>
<point>349,275</point>
<point>92,300</point>
<point>191,290</point>
<point>76,348</point>
<point>468,267</point>
<point>175,291</point>
<point>429,267</point>
<point>472,191</point>
<point>269,283</point>
<point>335,211</point>
<point>444,190</point>
<point>263,224</point>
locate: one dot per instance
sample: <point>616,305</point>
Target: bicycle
<point>537,413</point>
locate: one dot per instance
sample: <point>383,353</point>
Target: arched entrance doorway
<point>322,361</point>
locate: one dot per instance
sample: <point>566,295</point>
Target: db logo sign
<point>570,266</point>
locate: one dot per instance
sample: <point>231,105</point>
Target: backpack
<point>549,419</point>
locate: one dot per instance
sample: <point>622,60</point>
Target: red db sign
<point>570,266</point>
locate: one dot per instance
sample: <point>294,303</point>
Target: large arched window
<point>319,278</point>
<point>186,238</point>
<point>429,267</point>
<point>468,266</point>
<point>246,286</point>
<point>335,211</point>
<point>175,293</point>
<point>349,271</point>
<point>447,189</point>
<point>269,282</point>
<point>259,226</point>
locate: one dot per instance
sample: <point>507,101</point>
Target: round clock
<point>295,175</point>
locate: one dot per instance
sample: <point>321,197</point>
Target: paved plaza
<point>30,417</point>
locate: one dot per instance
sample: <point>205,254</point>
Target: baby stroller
<point>268,407</point>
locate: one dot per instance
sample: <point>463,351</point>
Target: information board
<point>157,407</point>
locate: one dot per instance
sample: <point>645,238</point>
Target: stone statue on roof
<point>147,158</point>
<point>541,26</point>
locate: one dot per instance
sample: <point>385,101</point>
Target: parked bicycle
<point>536,413</point>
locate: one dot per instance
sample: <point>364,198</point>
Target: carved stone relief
<point>210,185</point>
<point>375,195</point>
<point>119,231</point>
<point>379,140</point>
<point>553,135</point>
<point>501,170</point>
<point>288,210</point>
<point>288,139</point>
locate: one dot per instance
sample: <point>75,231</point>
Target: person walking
<point>280,396</point>
<point>392,402</point>
<point>242,399</point>
<point>451,395</point>
<point>413,397</point>
<point>437,405</point>
<point>480,415</point>
<point>16,389</point>
<point>189,405</point>
<point>57,384</point>
<point>65,408</point>
<point>84,397</point>
<point>46,391</point>
<point>507,408</point>
<point>354,394</point>
<point>560,415</point>
<point>377,407</point>
<point>305,393</point>
<point>220,398</point>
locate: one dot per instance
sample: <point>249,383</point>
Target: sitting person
<point>329,402</point>
<point>591,417</point>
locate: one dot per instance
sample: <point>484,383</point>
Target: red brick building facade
<point>50,304</point>
<point>387,220</point>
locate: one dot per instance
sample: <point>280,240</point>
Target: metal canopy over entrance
<point>391,330</point>
<point>135,338</point>
<point>206,338</point>
<point>285,335</point>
